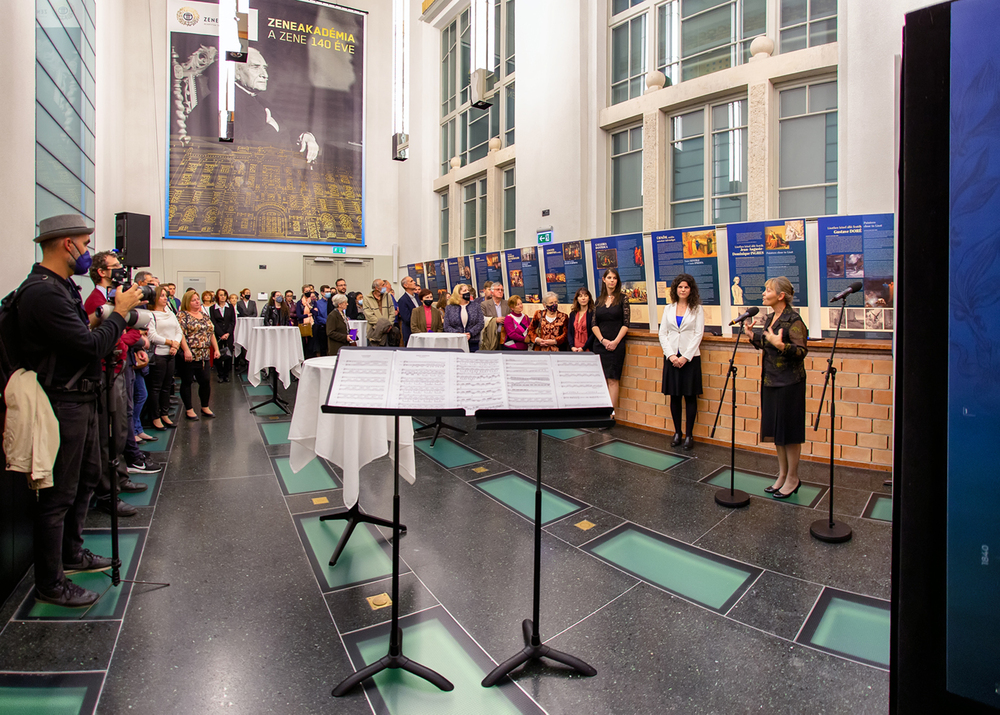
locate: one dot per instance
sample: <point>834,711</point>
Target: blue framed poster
<point>762,250</point>
<point>431,276</point>
<point>487,268</point>
<point>523,276</point>
<point>851,249</point>
<point>416,272</point>
<point>565,269</point>
<point>694,251</point>
<point>624,254</point>
<point>458,272</point>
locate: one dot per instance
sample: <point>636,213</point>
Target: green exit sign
<point>339,249</point>
<point>545,236</point>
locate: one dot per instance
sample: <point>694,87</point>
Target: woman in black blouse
<point>223,317</point>
<point>276,312</point>
<point>783,383</point>
<point>611,321</point>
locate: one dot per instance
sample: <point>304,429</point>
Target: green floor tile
<point>313,477</point>
<point>276,432</point>
<point>880,508</point>
<point>519,494</point>
<point>639,455</point>
<point>264,390</point>
<point>855,629</point>
<point>162,443</point>
<point>42,701</point>
<point>416,425</point>
<point>430,643</point>
<point>447,453</point>
<point>563,433</point>
<point>363,559</point>
<point>142,498</point>
<point>271,410</point>
<point>754,484</point>
<point>701,578</point>
<point>99,543</point>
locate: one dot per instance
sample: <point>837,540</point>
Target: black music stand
<point>733,498</point>
<point>538,420</point>
<point>437,425</point>
<point>273,399</point>
<point>353,517</point>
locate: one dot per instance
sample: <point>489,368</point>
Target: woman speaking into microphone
<point>783,383</point>
<point>681,329</point>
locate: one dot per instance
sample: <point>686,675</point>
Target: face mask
<point>278,299</point>
<point>82,263</point>
<point>428,301</point>
<point>384,290</point>
<point>361,303</point>
<point>466,296</point>
<point>246,296</point>
<point>328,295</point>
<point>552,308</point>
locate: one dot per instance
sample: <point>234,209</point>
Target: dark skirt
<point>783,414</point>
<point>612,362</point>
<point>681,381</point>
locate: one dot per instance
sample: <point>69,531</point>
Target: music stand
<point>273,399</point>
<point>539,420</point>
<point>733,498</point>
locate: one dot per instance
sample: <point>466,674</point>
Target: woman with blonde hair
<point>198,346</point>
<point>460,318</point>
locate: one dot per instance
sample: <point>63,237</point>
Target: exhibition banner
<point>458,272</point>
<point>763,250</point>
<point>487,268</point>
<point>293,170</point>
<point>434,276</point>
<point>565,269</point>
<point>694,251</point>
<point>851,249</point>
<point>624,254</point>
<point>523,277</point>
<point>442,276</point>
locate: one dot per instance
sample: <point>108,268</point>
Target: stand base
<point>534,650</point>
<point>273,399</point>
<point>437,425</point>
<point>393,661</point>
<point>734,499</point>
<point>353,517</point>
<point>835,533</point>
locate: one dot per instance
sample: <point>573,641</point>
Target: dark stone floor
<point>245,627</point>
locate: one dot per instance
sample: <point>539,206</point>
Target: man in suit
<point>246,308</point>
<point>494,306</point>
<point>173,305</point>
<point>406,305</point>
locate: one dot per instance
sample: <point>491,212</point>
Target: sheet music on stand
<point>414,381</point>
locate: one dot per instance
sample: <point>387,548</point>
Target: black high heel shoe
<point>781,495</point>
<point>688,443</point>
<point>676,441</point>
<point>772,490</point>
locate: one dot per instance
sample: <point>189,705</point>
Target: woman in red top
<point>580,336</point>
<point>426,318</point>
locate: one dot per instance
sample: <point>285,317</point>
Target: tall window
<point>668,41</point>
<point>716,34</point>
<point>807,23</point>
<point>509,209</point>
<point>503,69</point>
<point>447,145</point>
<point>444,226</point>
<point>65,65</point>
<point>807,151</point>
<point>725,174</point>
<point>474,217</point>
<point>628,59</point>
<point>626,181</point>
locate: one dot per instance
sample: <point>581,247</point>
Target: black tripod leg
<point>437,431</point>
<point>566,659</point>
<point>422,671</point>
<point>348,683</point>
<point>351,523</point>
<point>508,666</point>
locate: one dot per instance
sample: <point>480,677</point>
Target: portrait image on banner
<point>458,271</point>
<point>763,250</point>
<point>565,269</point>
<point>442,278</point>
<point>430,276</point>
<point>624,254</point>
<point>523,277</point>
<point>852,249</point>
<point>293,170</point>
<point>694,251</point>
<point>487,268</point>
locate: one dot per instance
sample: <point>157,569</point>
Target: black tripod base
<point>535,652</point>
<point>399,661</point>
<point>732,498</point>
<point>273,399</point>
<point>437,425</point>
<point>830,532</point>
<point>353,517</point>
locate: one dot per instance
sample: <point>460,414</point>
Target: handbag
<point>306,331</point>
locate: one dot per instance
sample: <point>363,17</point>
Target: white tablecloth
<point>439,341</point>
<point>362,327</point>
<point>244,331</point>
<point>278,347</point>
<point>349,441</point>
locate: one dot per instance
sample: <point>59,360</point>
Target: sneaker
<point>87,563</point>
<point>143,467</point>
<point>132,488</point>
<point>124,510</point>
<point>67,594</point>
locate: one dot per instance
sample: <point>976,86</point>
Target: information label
<point>523,277</point>
<point>763,250</point>
<point>487,268</point>
<point>693,251</point>
<point>624,254</point>
<point>565,270</point>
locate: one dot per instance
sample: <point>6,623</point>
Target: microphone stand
<point>732,497</point>
<point>827,529</point>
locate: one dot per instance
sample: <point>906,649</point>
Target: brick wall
<point>864,397</point>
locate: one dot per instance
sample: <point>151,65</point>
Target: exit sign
<point>339,249</point>
<point>545,236</point>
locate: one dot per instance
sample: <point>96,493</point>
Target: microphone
<point>750,312</point>
<point>853,288</point>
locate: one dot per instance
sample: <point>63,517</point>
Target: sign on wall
<point>694,251</point>
<point>565,269</point>
<point>294,170</point>
<point>624,254</point>
<point>763,250</point>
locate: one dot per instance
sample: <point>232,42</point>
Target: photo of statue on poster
<point>293,171</point>
<point>762,250</point>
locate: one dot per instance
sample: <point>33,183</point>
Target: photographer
<point>56,343</point>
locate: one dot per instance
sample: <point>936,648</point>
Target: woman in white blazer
<point>681,330</point>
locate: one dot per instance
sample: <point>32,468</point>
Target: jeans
<point>139,396</point>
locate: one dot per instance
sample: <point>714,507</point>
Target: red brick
<point>875,412</point>
<point>711,393</point>
<point>663,410</point>
<point>881,456</point>
<point>849,379</point>
<point>628,381</point>
<point>876,382</point>
<point>873,441</point>
<point>856,454</point>
<point>858,366</point>
<point>653,373</point>
<point>710,368</point>
<point>881,397</point>
<point>752,426</point>
<point>822,449</point>
<point>856,424</point>
<point>882,426</point>
<point>701,430</point>
<point>647,362</point>
<point>746,437</point>
<point>657,422</point>
<point>750,412</point>
<point>715,380</point>
<point>747,385</point>
<point>634,348</point>
<point>753,373</point>
<point>656,398</point>
<point>882,367</point>
<point>753,398</point>
<point>646,408</point>
<point>857,395</point>
<point>847,409</point>
<point>626,404</point>
<point>747,358</point>
<point>654,351</point>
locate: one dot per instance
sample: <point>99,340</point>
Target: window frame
<point>509,193</point>
<point>612,211</point>
<point>808,23</point>
<point>444,223</point>
<point>778,188</point>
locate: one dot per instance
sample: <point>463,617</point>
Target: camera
<point>136,318</point>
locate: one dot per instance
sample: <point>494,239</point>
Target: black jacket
<point>246,309</point>
<point>224,321</point>
<point>571,332</point>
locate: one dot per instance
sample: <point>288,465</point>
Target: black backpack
<point>11,357</point>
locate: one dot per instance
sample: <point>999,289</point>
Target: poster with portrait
<point>624,254</point>
<point>763,250</point>
<point>458,272</point>
<point>523,277</point>
<point>293,172</point>
<point>694,251</point>
<point>565,269</point>
<point>858,249</point>
<point>487,268</point>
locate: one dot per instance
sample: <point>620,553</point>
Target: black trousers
<point>62,509</point>
<point>121,431</point>
<point>190,372</point>
<point>158,384</point>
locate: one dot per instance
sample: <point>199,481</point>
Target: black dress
<point>783,381</point>
<point>609,321</point>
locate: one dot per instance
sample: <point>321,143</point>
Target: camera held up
<point>137,318</point>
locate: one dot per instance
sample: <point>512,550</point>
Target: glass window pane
<point>509,208</point>
<point>792,102</point>
<point>706,31</point>
<point>754,17</point>
<point>729,209</point>
<point>822,8</point>
<point>823,32</point>
<point>619,143</point>
<point>831,200</point>
<point>688,125</point>
<point>627,181</point>
<point>822,97</point>
<point>619,6</point>
<point>688,164</point>
<point>508,178</point>
<point>619,92</point>
<point>831,147</point>
<point>637,61</point>
<point>690,7</point>
<point>510,37</point>
<point>687,214</point>
<point>793,12</point>
<point>619,53</point>
<point>729,152</point>
<point>707,63</point>
<point>635,138</point>
<point>802,202</point>
<point>802,151</point>
<point>509,114</point>
<point>794,39</point>
<point>627,221</point>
